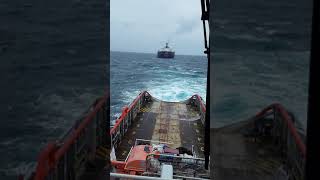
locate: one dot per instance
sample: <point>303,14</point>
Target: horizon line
<point>153,53</point>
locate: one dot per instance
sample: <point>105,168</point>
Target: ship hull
<point>167,55</point>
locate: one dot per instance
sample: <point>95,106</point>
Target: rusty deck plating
<point>265,147</point>
<point>175,122</point>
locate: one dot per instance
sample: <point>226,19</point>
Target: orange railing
<point>278,108</point>
<point>126,118</point>
<point>62,159</point>
<point>198,101</point>
<point>286,135</point>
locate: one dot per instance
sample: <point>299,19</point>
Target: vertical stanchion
<point>205,6</point>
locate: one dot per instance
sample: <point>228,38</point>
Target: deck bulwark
<point>238,157</point>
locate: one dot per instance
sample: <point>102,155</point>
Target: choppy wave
<point>166,79</point>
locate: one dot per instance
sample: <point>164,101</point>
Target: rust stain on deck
<point>173,122</point>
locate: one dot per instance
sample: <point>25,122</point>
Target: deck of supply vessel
<point>178,125</point>
<point>84,152</point>
<point>268,146</point>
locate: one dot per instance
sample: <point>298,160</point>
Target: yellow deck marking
<point>166,125</point>
<point>145,109</point>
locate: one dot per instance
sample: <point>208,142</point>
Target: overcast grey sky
<point>145,26</point>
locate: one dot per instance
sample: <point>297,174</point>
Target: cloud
<point>186,26</point>
<point>144,25</point>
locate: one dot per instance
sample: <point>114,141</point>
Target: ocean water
<point>245,82</point>
<point>53,66</point>
<point>260,56</point>
<point>166,79</point>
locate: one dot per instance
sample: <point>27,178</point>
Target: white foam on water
<point>172,83</point>
<point>129,96</point>
<point>171,87</point>
<point>175,90</point>
<point>17,168</point>
<point>178,89</point>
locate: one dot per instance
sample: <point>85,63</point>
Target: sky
<point>146,25</point>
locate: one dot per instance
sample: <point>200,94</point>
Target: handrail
<point>52,153</point>
<point>125,112</point>
<point>80,128</point>
<point>285,116</point>
<point>285,134</point>
<point>201,102</point>
<point>45,162</point>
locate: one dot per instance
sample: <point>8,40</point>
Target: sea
<point>166,79</point>
<point>53,66</point>
<point>260,56</point>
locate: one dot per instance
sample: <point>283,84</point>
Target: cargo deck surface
<point>174,122</point>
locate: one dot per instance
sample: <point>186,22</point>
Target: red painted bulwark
<point>50,156</point>
<point>285,116</point>
<point>45,162</point>
<point>125,111</point>
<point>201,103</point>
